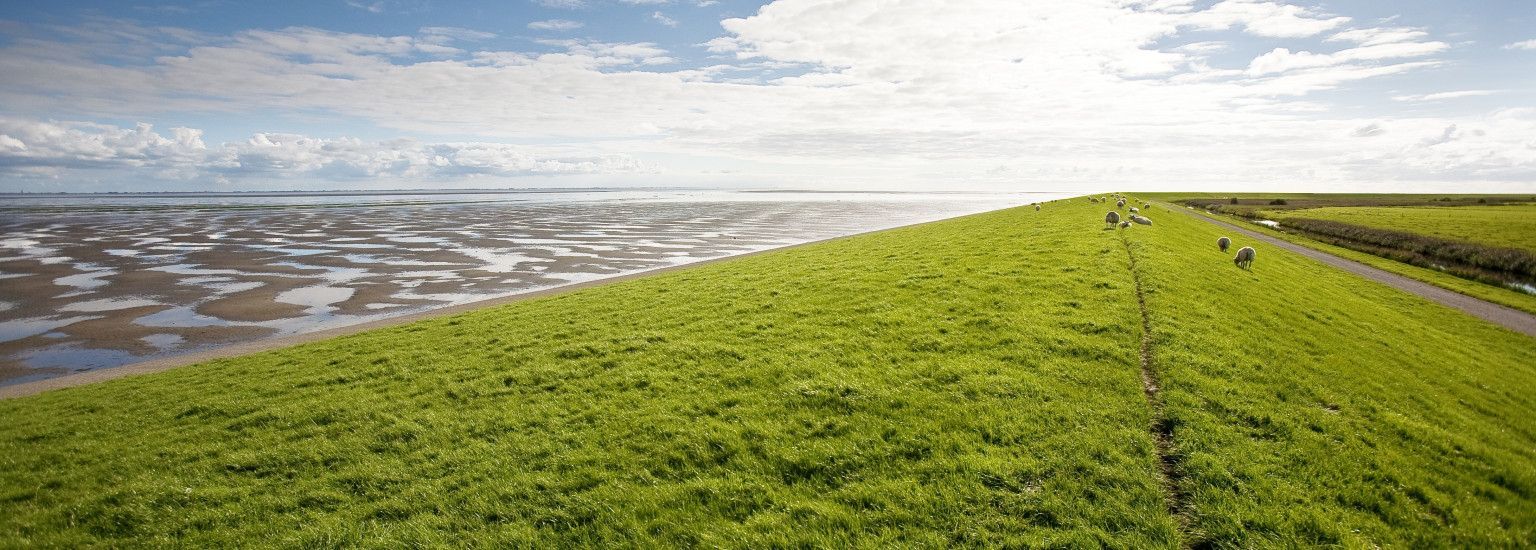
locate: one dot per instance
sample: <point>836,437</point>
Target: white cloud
<point>894,93</point>
<point>663,19</point>
<point>1282,60</point>
<point>444,34</point>
<point>1270,19</point>
<point>562,4</point>
<point>1369,130</point>
<point>372,7</point>
<point>555,25</point>
<point>30,147</point>
<point>1444,95</point>
<point>1371,36</point>
<point>1522,45</point>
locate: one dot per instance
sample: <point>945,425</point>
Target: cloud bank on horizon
<point>913,94</point>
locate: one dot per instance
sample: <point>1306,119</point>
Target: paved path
<point>1513,319</point>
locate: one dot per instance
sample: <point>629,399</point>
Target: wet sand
<point>94,290</point>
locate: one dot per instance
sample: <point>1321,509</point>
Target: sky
<point>960,95</point>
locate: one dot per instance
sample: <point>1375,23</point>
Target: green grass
<point>1510,226</point>
<point>966,383</point>
<point>1496,294</point>
<point>973,382</point>
<point>1312,407</point>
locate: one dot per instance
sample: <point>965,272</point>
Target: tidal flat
<point>92,282</point>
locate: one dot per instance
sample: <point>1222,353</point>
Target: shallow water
<point>100,281</point>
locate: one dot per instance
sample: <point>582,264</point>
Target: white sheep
<point>1125,225</point>
<point>1223,243</point>
<point>1141,220</point>
<point>1244,257</point>
<point>1111,218</point>
<point>1134,210</point>
<point>1120,203</point>
<point>1037,207</point>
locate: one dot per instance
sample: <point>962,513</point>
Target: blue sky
<point>909,94</point>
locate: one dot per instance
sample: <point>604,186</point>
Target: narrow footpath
<point>1161,429</point>
<point>1510,318</point>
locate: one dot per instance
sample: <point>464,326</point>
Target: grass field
<point>1479,245</point>
<point>1497,294</point>
<point>964,383</point>
<point>1511,226</point>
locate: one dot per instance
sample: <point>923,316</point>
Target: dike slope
<point>971,382</point>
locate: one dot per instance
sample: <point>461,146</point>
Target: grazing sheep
<point>1141,220</point>
<point>1111,218</point>
<point>1125,225</point>
<point>1244,257</point>
<point>1223,243</point>
<point>1134,210</point>
<point>1120,203</point>
<point>1037,207</point>
<point>1146,206</point>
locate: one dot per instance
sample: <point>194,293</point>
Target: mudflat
<point>93,288</point>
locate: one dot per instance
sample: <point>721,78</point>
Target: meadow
<point>1507,226</point>
<point>979,381</point>
<point>1480,245</point>
<point>1498,294</point>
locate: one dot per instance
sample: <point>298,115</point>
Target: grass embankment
<point>971,382</point>
<point>1251,204</point>
<point>1497,294</point>
<point>1310,406</point>
<point>967,382</point>
<point>1488,228</point>
<point>1509,226</point>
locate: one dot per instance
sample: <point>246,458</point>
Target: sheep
<point>1125,225</point>
<point>1111,218</point>
<point>1244,257</point>
<point>1037,207</point>
<point>1146,206</point>
<point>1120,203</point>
<point>1141,220</point>
<point>1223,243</point>
<point>1134,210</point>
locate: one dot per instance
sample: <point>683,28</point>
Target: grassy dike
<point>1508,226</point>
<point>1310,406</point>
<point>1497,294</point>
<point>970,382</point>
<point>966,382</point>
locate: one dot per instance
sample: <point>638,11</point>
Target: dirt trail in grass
<point>1162,427</point>
<point>1510,318</point>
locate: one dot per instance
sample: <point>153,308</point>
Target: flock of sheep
<point>1244,258</point>
<point>1113,218</point>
